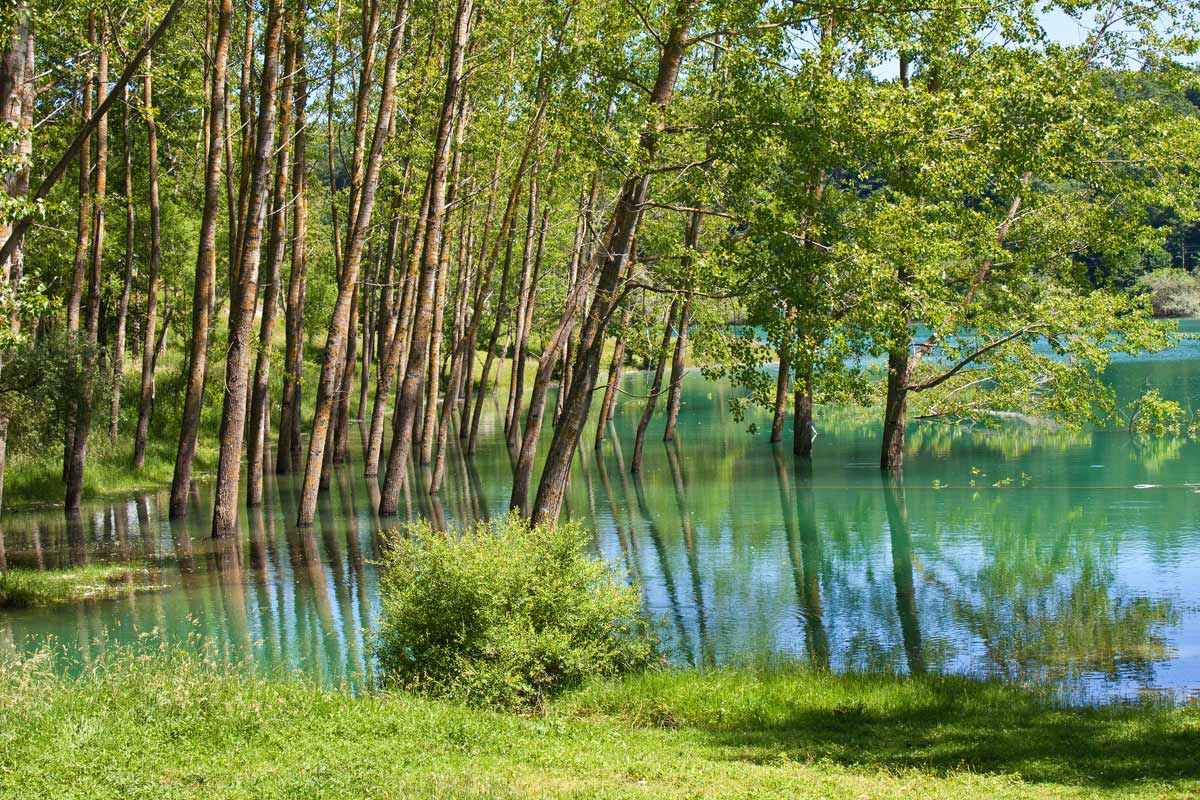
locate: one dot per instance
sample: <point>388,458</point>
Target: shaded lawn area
<point>176,727</point>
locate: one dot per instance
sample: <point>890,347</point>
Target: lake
<point>1033,554</point>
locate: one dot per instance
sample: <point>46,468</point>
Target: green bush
<point>504,615</point>
<point>1173,292</point>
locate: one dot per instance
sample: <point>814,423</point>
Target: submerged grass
<point>21,588</point>
<point>176,727</point>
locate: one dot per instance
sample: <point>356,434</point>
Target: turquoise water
<point>1031,553</point>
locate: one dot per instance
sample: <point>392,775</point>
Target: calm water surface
<point>1033,554</point>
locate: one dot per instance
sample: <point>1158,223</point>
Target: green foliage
<point>1154,415</point>
<point>1173,292</point>
<point>504,614</point>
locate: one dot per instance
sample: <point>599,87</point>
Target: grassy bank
<point>33,478</point>
<point>21,588</point>
<point>177,728</point>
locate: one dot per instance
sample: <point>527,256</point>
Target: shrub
<point>504,614</point>
<point>1173,292</point>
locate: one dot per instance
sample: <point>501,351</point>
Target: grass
<point>177,727</point>
<point>21,588</point>
<point>35,478</point>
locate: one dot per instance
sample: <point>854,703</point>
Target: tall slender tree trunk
<point>611,258</point>
<point>246,131</point>
<point>17,98</point>
<point>678,365</point>
<point>83,417</point>
<point>433,433</point>
<point>288,452</point>
<point>609,403</point>
<point>516,385</point>
<point>118,351</point>
<point>523,470</point>
<point>146,404</point>
<point>244,285</point>
<point>260,400</point>
<point>335,343</point>
<point>396,350</point>
<point>679,359</point>
<point>79,272</point>
<point>655,388</point>
<point>206,266</point>
<point>341,425</point>
<point>493,342</point>
<point>803,432</point>
<point>782,382</point>
<point>895,410</point>
<point>397,468</point>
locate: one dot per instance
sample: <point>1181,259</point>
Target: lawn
<point>170,726</point>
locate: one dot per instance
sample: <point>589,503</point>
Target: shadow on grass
<point>938,725</point>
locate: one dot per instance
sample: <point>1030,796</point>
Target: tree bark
<point>146,404</point>
<point>615,368</point>
<point>516,384</point>
<point>655,389</point>
<point>288,452</point>
<point>260,405</point>
<point>678,361</point>
<point>335,343</point>
<point>402,440</point>
<point>609,262</point>
<point>433,432</point>
<point>895,410</point>
<point>18,94</point>
<point>803,431</point>
<point>396,351</point>
<point>782,380</point>
<point>206,266</point>
<point>341,425</point>
<point>118,351</point>
<point>83,417</point>
<point>79,273</point>
<point>523,470</point>
<point>244,286</point>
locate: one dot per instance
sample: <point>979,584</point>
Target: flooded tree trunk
<point>437,428</point>
<point>372,306</point>
<point>396,350</point>
<point>803,431</point>
<point>335,343</point>
<point>610,262</point>
<point>260,402</point>
<point>464,427</point>
<point>493,342</point>
<point>118,350</point>
<point>609,403</point>
<point>516,385</point>
<point>523,470</point>
<point>79,272</point>
<point>288,453</point>
<point>206,265</point>
<point>397,468</point>
<point>679,360</point>
<point>436,332</point>
<point>244,285</point>
<point>783,379</point>
<point>655,389</point>
<point>146,398</point>
<point>87,382</point>
<point>895,410</point>
<point>341,428</point>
